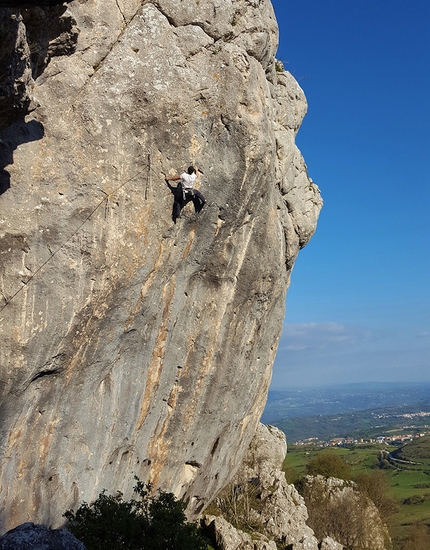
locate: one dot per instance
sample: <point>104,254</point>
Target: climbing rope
<point>105,201</point>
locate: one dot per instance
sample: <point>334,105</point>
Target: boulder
<point>329,544</point>
<point>226,537</point>
<point>29,536</point>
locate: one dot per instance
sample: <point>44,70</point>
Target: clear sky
<point>358,308</point>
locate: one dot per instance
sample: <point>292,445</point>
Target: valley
<point>354,413</point>
<point>391,433</point>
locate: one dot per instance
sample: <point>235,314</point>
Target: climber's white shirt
<point>188,180</point>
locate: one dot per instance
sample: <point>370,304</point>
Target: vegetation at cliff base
<point>149,522</point>
<point>400,490</point>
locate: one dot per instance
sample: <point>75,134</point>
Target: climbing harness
<point>189,192</point>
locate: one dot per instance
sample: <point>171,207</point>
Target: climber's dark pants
<point>178,204</point>
<point>182,198</point>
<point>198,201</point>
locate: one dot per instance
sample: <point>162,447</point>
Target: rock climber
<point>185,192</point>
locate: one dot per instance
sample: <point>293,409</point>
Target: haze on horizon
<point>359,302</point>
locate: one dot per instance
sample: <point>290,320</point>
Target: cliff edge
<point>131,345</point>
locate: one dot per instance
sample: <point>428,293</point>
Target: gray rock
<point>279,513</point>
<point>14,66</point>
<point>30,39</point>
<point>29,536</point>
<point>131,345</point>
<point>226,537</point>
<point>329,544</point>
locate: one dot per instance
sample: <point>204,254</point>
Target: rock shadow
<point>30,3</point>
<point>16,134</point>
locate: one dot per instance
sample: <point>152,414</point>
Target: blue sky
<point>358,308</point>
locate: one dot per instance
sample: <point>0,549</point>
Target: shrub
<point>376,487</point>
<point>239,503</point>
<point>414,500</point>
<point>279,66</point>
<point>418,538</point>
<point>342,514</point>
<point>329,465</point>
<point>147,523</point>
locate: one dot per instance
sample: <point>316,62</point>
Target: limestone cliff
<point>130,345</point>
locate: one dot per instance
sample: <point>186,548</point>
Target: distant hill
<point>414,450</point>
<point>342,399</point>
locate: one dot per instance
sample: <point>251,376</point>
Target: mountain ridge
<point>341,399</point>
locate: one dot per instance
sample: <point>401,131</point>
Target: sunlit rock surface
<point>130,345</point>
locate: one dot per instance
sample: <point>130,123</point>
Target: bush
<point>418,538</point>
<point>339,517</point>
<point>342,514</point>
<point>414,500</point>
<point>239,503</point>
<point>279,66</point>
<point>376,487</point>
<point>147,523</point>
<point>329,465</point>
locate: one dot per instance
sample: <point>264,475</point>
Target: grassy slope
<point>414,480</point>
<point>416,450</point>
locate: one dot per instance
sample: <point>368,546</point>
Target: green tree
<point>146,523</point>
<point>329,465</point>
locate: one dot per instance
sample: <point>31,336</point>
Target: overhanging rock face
<point>130,345</point>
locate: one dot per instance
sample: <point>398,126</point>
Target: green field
<point>409,483</point>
